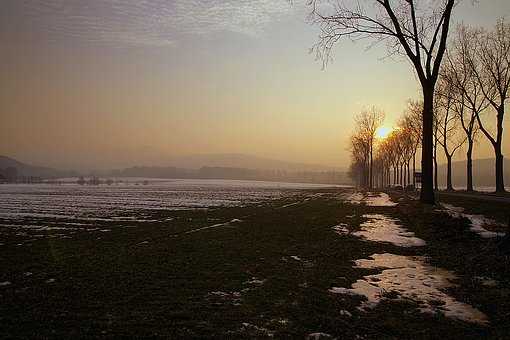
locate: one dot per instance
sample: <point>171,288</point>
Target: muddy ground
<point>266,270</point>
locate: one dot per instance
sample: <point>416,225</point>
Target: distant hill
<point>31,170</point>
<point>236,166</point>
<point>483,173</point>
<point>219,166</point>
<point>235,160</point>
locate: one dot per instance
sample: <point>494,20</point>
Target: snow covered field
<point>131,201</point>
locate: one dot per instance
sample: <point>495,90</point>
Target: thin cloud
<point>149,22</point>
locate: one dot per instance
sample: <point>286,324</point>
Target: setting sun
<point>383,132</point>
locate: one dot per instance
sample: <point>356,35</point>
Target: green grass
<point>115,287</point>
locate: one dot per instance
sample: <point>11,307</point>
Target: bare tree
<point>490,62</point>
<point>448,121</point>
<point>418,31</point>
<point>411,121</point>
<point>360,153</point>
<point>368,122</point>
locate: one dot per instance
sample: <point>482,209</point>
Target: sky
<point>112,83</point>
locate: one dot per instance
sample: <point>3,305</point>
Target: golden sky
<point>109,83</point>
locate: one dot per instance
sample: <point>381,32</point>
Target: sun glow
<point>383,132</point>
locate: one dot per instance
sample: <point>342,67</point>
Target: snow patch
<point>318,336</point>
<point>410,278</point>
<point>255,281</point>
<point>260,331</point>
<point>379,200</point>
<point>371,199</point>
<point>477,222</point>
<point>381,228</point>
<point>341,229</point>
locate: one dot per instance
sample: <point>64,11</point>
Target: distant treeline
<point>206,172</point>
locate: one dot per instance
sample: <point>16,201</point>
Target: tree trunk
<point>500,175</point>
<point>427,189</point>
<point>408,173</point>
<point>370,172</point>
<point>449,186</point>
<point>500,181</point>
<point>401,176</point>
<point>436,186</point>
<point>414,169</point>
<point>469,165</point>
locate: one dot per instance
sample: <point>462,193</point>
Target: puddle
<point>381,228</point>
<point>410,278</point>
<point>478,222</point>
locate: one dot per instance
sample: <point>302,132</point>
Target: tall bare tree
<point>447,118</point>
<point>415,29</point>
<point>368,122</point>
<point>360,150</point>
<point>412,122</point>
<point>490,62</point>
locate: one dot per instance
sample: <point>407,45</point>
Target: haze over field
<point>93,84</point>
<point>255,169</point>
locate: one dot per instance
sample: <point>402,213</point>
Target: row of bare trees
<point>469,102</point>
<point>475,77</point>
<point>362,146</point>
<point>417,30</point>
<point>381,162</point>
<point>471,94</point>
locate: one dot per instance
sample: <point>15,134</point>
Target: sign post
<point>417,178</point>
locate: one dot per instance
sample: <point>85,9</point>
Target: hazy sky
<point>108,83</point>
